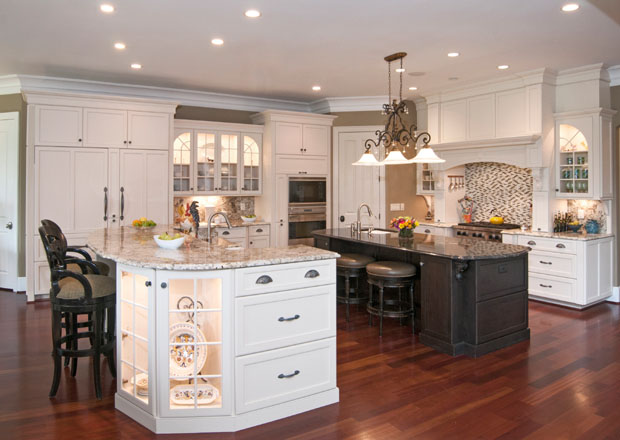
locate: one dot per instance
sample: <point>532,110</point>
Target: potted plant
<point>405,226</point>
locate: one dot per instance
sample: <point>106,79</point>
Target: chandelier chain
<point>400,93</point>
<point>389,82</point>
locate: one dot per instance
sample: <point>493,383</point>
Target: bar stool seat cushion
<point>102,285</point>
<point>104,269</point>
<point>354,261</point>
<point>395,269</point>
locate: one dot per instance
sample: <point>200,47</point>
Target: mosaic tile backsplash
<point>498,188</point>
<point>592,209</point>
<point>234,207</point>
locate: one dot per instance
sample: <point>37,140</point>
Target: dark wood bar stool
<point>351,266</point>
<point>73,294</point>
<point>390,274</point>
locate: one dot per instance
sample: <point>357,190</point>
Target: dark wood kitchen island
<point>470,294</point>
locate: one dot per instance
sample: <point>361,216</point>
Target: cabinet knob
<point>147,283</point>
<point>130,142</point>
<point>164,285</point>
<point>80,140</point>
<point>125,142</point>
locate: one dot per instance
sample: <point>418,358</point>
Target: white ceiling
<point>339,44</point>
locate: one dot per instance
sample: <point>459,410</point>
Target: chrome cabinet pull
<point>545,262</point>
<point>288,376</point>
<point>292,318</point>
<point>312,274</point>
<point>545,285</point>
<point>531,243</point>
<point>122,203</point>
<point>560,246</point>
<point>264,279</point>
<point>105,203</point>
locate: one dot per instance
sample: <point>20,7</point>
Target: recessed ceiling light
<point>252,13</point>
<point>217,41</point>
<point>316,88</point>
<point>400,70</point>
<point>413,88</point>
<point>453,54</point>
<point>107,8</point>
<point>503,66</point>
<point>570,7</point>
<point>119,46</point>
<point>136,66</point>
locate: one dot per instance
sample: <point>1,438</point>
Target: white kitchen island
<point>214,338</point>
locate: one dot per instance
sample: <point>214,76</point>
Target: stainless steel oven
<point>303,218</point>
<point>307,190</point>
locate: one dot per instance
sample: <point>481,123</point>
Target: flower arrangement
<point>405,225</point>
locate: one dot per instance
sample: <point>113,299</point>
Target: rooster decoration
<point>193,210</point>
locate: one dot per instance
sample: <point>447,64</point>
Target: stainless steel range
<point>484,230</point>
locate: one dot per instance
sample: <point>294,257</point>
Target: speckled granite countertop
<point>127,245</point>
<point>563,235</point>
<point>437,225</point>
<point>456,248</point>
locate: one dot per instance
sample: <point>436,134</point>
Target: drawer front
<point>551,287</point>
<point>501,316</point>
<point>429,230</point>
<point>498,278</point>
<point>277,320</point>
<point>265,279</point>
<point>549,244</point>
<point>302,165</point>
<point>258,242</point>
<point>278,376</point>
<point>259,230</point>
<point>231,232</point>
<point>237,241</point>
<point>553,263</point>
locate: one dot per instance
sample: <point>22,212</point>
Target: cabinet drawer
<point>302,165</point>
<point>552,287</point>
<point>276,320</point>
<point>429,230</point>
<point>264,279</point>
<point>278,376</point>
<point>237,241</point>
<point>501,278</point>
<point>548,263</point>
<point>548,244</point>
<point>258,242</point>
<point>231,232</point>
<point>258,230</point>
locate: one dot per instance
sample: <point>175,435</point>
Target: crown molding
<point>614,75</point>
<point>348,104</point>
<point>591,72</point>
<point>9,85</point>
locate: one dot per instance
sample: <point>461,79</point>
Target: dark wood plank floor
<point>563,384</point>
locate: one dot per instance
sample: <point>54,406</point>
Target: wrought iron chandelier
<point>396,135</point>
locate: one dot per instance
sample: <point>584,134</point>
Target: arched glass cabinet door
<point>573,161</point>
<point>182,162</point>
<point>205,162</point>
<point>251,165</point>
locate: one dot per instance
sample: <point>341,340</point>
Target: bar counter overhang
<point>470,294</point>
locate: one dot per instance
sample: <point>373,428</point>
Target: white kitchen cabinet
<point>481,117</point>
<point>316,140</point>
<point>302,165</point>
<point>574,273</point>
<point>281,197</point>
<point>259,236</point>
<point>584,165</point>
<point>58,126</point>
<point>288,138</point>
<point>454,121</point>
<point>212,158</point>
<point>105,128</point>
<point>148,130</point>
<point>511,113</point>
<point>434,230</point>
<point>425,179</point>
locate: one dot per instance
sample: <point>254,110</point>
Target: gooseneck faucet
<point>211,219</point>
<point>358,224</point>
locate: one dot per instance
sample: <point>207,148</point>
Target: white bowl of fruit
<point>167,241</point>
<point>250,218</point>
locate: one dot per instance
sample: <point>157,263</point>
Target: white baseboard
<point>615,295</point>
<point>21,284</point>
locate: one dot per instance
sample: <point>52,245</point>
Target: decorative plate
<point>183,357</point>
<point>184,394</point>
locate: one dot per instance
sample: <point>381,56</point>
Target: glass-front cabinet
<point>212,161</point>
<point>574,171</point>
<point>425,179</point>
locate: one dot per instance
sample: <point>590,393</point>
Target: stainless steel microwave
<point>307,190</point>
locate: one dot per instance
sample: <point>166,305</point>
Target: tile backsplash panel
<point>234,207</point>
<point>592,209</point>
<point>500,188</point>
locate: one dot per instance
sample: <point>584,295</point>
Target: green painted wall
<point>15,103</point>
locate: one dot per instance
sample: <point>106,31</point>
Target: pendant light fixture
<point>396,137</point>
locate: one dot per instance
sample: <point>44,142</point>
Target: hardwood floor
<point>562,384</point>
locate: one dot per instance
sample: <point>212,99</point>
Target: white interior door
<point>9,129</point>
<point>354,185</point>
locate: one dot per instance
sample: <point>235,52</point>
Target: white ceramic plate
<point>182,356</point>
<point>169,244</point>
<point>184,394</point>
<point>142,383</point>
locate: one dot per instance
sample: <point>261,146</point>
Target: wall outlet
<point>581,214</point>
<point>396,206</point>
<point>243,206</point>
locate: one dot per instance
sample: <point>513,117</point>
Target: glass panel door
<point>251,163</point>
<point>182,159</point>
<point>573,161</point>
<point>229,162</point>
<point>205,161</point>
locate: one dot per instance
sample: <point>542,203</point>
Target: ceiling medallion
<point>396,136</point>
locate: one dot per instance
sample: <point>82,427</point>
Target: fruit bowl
<point>143,224</point>
<point>248,219</point>
<point>574,228</point>
<point>169,244</point>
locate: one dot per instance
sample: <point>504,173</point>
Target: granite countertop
<point>563,235</point>
<point>236,223</point>
<point>437,224</point>
<point>457,248</point>
<point>127,245</point>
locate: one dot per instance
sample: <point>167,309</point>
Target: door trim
<point>337,131</point>
<point>13,151</point>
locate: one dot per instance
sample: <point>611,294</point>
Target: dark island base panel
<point>469,307</point>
